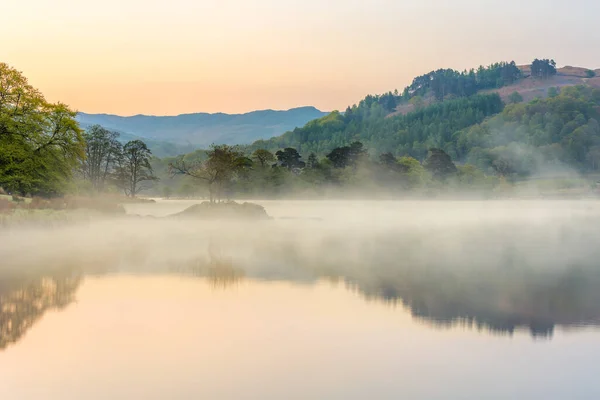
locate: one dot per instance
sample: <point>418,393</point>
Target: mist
<point>501,265</point>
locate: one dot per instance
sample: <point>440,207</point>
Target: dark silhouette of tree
<point>448,82</point>
<point>312,161</point>
<point>134,171</point>
<point>342,157</point>
<point>388,159</point>
<point>543,68</point>
<point>290,158</point>
<point>263,157</point>
<point>440,164</point>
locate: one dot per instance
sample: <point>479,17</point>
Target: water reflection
<point>217,267</point>
<point>24,300</point>
<point>500,277</point>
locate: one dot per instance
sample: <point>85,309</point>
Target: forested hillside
<point>412,134</point>
<point>450,116</point>
<point>435,105</point>
<point>461,133</point>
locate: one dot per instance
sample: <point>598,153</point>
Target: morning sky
<point>180,56</point>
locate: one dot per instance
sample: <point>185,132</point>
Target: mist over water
<point>386,272</point>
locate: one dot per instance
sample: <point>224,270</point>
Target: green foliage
<point>440,164</point>
<point>464,142</point>
<point>313,162</point>
<point>541,137</point>
<point>223,164</point>
<point>543,68</point>
<point>289,158</point>
<point>412,134</point>
<point>515,98</point>
<point>40,143</point>
<point>448,82</point>
<point>590,74</point>
<point>342,157</point>
<point>263,157</point>
<point>553,91</point>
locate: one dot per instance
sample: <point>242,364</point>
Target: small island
<point>224,210</point>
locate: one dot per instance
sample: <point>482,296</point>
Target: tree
<point>417,102</point>
<point>167,191</point>
<point>341,157</point>
<point>263,157</point>
<point>290,158</point>
<point>388,159</point>
<point>412,172</point>
<point>312,161</point>
<point>222,165</point>
<point>515,98</point>
<point>553,92</point>
<point>102,154</point>
<point>440,164</point>
<point>590,74</point>
<point>543,68</point>
<point>134,171</point>
<point>40,143</point>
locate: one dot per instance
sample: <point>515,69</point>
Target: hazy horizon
<point>201,112</point>
<point>155,58</point>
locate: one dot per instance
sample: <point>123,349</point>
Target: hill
<point>432,110</point>
<point>201,129</point>
<point>549,133</point>
<point>529,87</point>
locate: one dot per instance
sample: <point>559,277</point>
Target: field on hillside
<point>530,88</point>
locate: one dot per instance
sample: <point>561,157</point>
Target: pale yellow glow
<point>178,56</point>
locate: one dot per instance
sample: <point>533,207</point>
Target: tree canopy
<point>41,144</point>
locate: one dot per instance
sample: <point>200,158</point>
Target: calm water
<point>330,300</point>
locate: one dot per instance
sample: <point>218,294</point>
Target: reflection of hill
<point>498,301</point>
<point>490,280</point>
<point>498,276</point>
<point>24,301</point>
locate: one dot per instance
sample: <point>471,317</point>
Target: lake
<point>329,300</point>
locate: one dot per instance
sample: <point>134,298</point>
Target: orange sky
<point>179,56</point>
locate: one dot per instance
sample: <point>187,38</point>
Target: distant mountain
<point>199,130</point>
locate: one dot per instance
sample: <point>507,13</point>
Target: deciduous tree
<point>134,172</point>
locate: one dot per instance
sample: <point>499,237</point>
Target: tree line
<point>464,138</point>
<point>439,145</point>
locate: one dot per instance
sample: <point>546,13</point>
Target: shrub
<point>590,74</point>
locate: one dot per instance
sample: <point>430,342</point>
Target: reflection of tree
<point>217,268</point>
<point>497,300</point>
<point>23,301</point>
<point>501,292</point>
